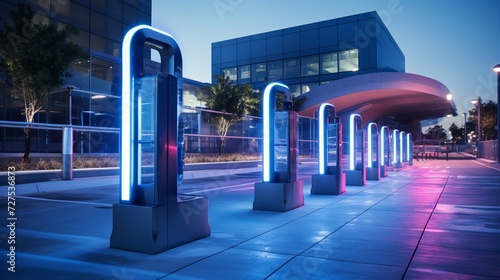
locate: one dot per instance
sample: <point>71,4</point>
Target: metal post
<point>67,153</point>
<point>479,150</point>
<point>465,129</point>
<point>498,114</point>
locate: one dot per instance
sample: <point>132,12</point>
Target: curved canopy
<point>407,97</point>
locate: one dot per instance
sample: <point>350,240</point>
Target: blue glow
<point>370,144</point>
<point>408,146</point>
<point>127,150</point>
<point>322,140</point>
<point>382,143</point>
<point>127,116</point>
<point>267,101</point>
<point>401,145</point>
<point>139,138</point>
<point>395,146</point>
<point>352,139</point>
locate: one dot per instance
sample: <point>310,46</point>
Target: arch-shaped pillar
<point>396,158</point>
<point>385,150</point>
<point>402,147</point>
<point>151,216</point>
<point>330,178</point>
<point>356,175</point>
<point>279,190</point>
<point>373,152</point>
<point>409,148</point>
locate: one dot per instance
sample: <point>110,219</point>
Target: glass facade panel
<point>308,86</point>
<point>146,115</point>
<point>98,43</point>
<point>101,27</point>
<point>231,73</point>
<point>348,60</point>
<point>244,74</point>
<point>294,90</point>
<point>281,141</point>
<point>329,63</point>
<point>292,68</point>
<point>275,69</point>
<point>105,76</point>
<point>310,66</point>
<point>259,72</point>
<point>80,71</point>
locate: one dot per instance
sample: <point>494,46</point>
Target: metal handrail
<point>50,126</point>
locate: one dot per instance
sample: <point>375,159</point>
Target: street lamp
<point>477,104</point>
<point>496,68</point>
<point>465,128</point>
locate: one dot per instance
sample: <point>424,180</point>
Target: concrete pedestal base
<point>279,197</point>
<point>372,173</point>
<point>383,171</point>
<point>355,177</point>
<point>328,184</point>
<point>154,229</point>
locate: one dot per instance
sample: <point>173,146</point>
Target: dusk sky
<point>456,42</point>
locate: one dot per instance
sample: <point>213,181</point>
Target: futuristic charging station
<point>409,149</point>
<point>385,150</point>
<point>373,153</point>
<point>402,147</point>
<point>330,178</point>
<point>279,190</point>
<point>396,151</point>
<point>356,175</point>
<point>151,216</point>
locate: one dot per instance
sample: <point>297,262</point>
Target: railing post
<point>67,153</point>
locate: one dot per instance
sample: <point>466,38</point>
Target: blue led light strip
<point>268,101</point>
<point>127,150</point>
<point>408,146</point>
<point>401,145</point>
<point>395,146</point>
<point>323,136</point>
<point>370,144</point>
<point>384,130</point>
<point>352,127</point>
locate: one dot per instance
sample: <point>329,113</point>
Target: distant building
<point>307,56</point>
<point>352,62</point>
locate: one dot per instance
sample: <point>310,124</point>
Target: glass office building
<point>91,96</point>
<point>307,56</point>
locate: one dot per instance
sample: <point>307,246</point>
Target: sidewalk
<point>435,220</point>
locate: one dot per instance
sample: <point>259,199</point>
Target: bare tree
<point>34,59</point>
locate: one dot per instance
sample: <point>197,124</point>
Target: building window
<point>294,90</point>
<point>275,69</point>
<point>259,72</point>
<point>348,60</point>
<point>231,73</point>
<point>310,66</point>
<point>329,63</point>
<point>308,86</point>
<point>292,68</point>
<point>244,74</point>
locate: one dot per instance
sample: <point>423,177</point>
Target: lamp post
<point>477,104</point>
<point>496,68</point>
<point>465,128</point>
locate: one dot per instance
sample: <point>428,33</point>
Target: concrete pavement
<point>435,220</point>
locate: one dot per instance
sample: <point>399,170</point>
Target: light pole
<point>477,103</point>
<point>496,68</point>
<point>465,128</point>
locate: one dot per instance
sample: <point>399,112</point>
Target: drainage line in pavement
<point>425,227</point>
